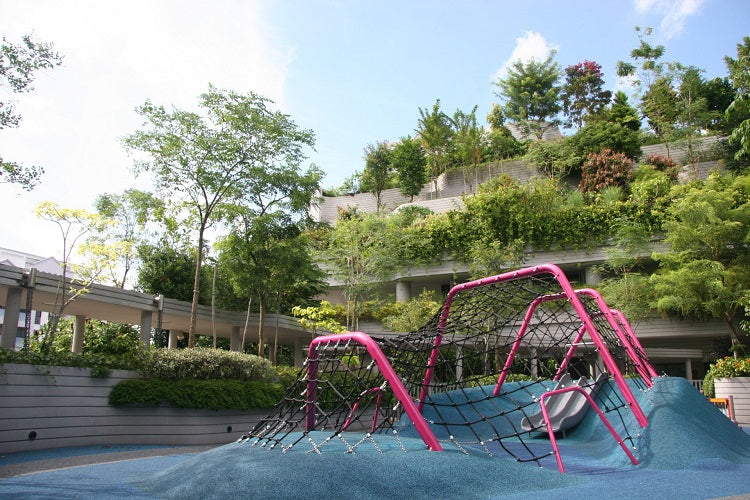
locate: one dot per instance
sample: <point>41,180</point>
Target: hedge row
<point>191,393</point>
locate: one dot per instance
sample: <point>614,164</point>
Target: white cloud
<point>673,13</point>
<point>532,46</point>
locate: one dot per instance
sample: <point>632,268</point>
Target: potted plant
<point>731,377</point>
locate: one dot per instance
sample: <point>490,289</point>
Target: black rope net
<point>474,375</point>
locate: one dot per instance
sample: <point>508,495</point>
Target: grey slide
<point>565,410</point>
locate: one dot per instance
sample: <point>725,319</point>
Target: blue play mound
<point>687,442</point>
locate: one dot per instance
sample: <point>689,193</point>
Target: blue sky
<point>355,72</point>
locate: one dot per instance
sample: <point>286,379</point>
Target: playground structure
<point>506,366</point>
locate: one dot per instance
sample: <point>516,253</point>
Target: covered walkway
<point>20,289</point>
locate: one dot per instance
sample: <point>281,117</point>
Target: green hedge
<point>191,393</point>
<point>99,364</point>
<point>204,363</point>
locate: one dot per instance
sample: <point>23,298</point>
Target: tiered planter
<point>739,390</point>
<point>49,407</point>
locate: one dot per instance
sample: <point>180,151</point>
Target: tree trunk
<point>196,288</point>
<point>261,320</point>
<point>247,320</point>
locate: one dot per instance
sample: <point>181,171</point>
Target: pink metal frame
<point>615,319</point>
<point>599,412</point>
<point>399,391</point>
<point>567,292</point>
<point>622,328</point>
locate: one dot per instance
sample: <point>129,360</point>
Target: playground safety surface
<point>687,452</point>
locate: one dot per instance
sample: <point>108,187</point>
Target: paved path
<point>60,459</point>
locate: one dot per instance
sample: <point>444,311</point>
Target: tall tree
<point>646,66</point>
<point>435,131</point>
<point>468,143</point>
<point>360,252</point>
<point>659,106</point>
<point>18,65</point>
<point>692,107</point>
<point>378,171</point>
<point>706,271</point>
<point>622,113</point>
<point>739,74</point>
<point>237,150</point>
<point>131,212</point>
<point>530,95</point>
<point>583,93</point>
<point>76,229</point>
<point>410,164</point>
<point>169,270</point>
<point>653,80</point>
<point>266,259</point>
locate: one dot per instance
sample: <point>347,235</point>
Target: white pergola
<point>113,304</point>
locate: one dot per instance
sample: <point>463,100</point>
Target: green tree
<point>555,158</point>
<point>266,259</point>
<point>600,134</point>
<point>646,67</point>
<point>169,270</point>
<point>622,113</point>
<point>435,131</point>
<point>410,164</point>
<point>76,229</point>
<point>659,105</point>
<point>692,107</point>
<point>583,93</point>
<point>238,150</point>
<point>530,95</point>
<point>413,314</point>
<point>501,143</point>
<point>706,272</point>
<point>360,252</point>
<point>378,171</point>
<point>739,109</point>
<point>18,65</point>
<point>326,316</point>
<point>719,94</point>
<point>468,144</point>
<point>131,212</point>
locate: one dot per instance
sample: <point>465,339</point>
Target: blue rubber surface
<point>689,450</point>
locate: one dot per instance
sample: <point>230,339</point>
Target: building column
<point>146,327</point>
<point>403,291</point>
<point>591,276</point>
<point>235,341</point>
<point>689,369</point>
<point>172,343</point>
<point>10,321</point>
<point>79,329</point>
<point>299,352</point>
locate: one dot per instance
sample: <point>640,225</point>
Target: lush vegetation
<point>726,367</point>
<point>235,165</point>
<point>192,393</point>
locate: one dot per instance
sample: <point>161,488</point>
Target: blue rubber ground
<point>689,450</point>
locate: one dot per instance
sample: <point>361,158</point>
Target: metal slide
<point>565,410</point>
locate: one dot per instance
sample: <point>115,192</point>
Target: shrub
<point>191,393</point>
<point>287,375</point>
<point>607,168</point>
<point>99,364</point>
<point>662,164</point>
<point>726,367</point>
<point>202,363</point>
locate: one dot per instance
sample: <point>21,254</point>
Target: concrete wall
<point>51,407</point>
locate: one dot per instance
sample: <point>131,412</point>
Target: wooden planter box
<point>50,407</point>
<point>739,390</point>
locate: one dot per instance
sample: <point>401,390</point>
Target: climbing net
<point>474,377</point>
